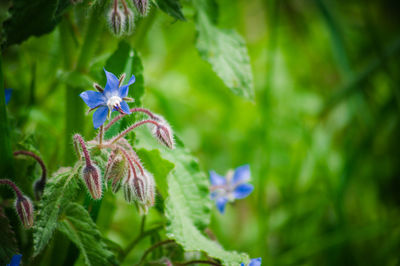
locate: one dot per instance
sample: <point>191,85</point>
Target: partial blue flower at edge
<point>8,93</point>
<point>253,262</point>
<point>15,260</point>
<point>111,99</point>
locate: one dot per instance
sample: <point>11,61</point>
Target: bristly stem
<point>38,159</point>
<point>13,186</point>
<point>78,138</point>
<point>129,129</point>
<point>156,245</point>
<point>133,110</point>
<point>101,134</point>
<point>126,155</point>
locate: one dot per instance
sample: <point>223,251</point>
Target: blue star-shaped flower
<point>112,98</point>
<point>253,262</point>
<point>234,186</point>
<point>8,93</point>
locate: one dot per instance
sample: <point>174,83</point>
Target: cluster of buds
<point>23,205</point>
<point>121,17</point>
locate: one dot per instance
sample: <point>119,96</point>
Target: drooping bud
<point>116,171</point>
<point>92,178</point>
<point>24,208</point>
<point>129,190</point>
<point>142,6</point>
<point>116,19</point>
<point>163,133</point>
<point>129,21</point>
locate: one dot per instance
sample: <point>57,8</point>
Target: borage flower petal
<point>242,191</point>
<point>100,116</point>
<point>93,98</point>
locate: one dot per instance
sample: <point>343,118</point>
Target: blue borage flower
<point>8,93</point>
<point>234,186</point>
<point>112,98</point>
<point>15,260</point>
<point>253,262</point>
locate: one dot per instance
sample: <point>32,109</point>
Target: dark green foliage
<point>60,190</point>
<point>8,243</point>
<point>77,225</point>
<point>172,8</point>
<point>42,16</point>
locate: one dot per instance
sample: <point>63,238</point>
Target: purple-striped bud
<point>24,208</point>
<point>163,133</point>
<point>92,178</point>
<point>129,21</point>
<point>142,190</point>
<point>116,171</point>
<point>116,20</point>
<point>142,6</point>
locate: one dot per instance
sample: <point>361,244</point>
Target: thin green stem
<point>136,241</point>
<point>153,247</point>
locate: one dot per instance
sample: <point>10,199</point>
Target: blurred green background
<point>321,136</point>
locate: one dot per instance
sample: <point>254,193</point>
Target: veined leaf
<point>42,15</point>
<point>160,168</point>
<point>190,177</point>
<point>59,190</point>
<point>80,229</point>
<point>8,244</point>
<point>226,51</point>
<point>183,230</point>
<point>172,8</point>
<point>188,203</point>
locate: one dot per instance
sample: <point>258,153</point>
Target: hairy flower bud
<point>116,20</point>
<point>142,6</point>
<point>116,171</point>
<point>163,133</point>
<point>129,21</point>
<point>24,208</point>
<point>92,178</point>
<point>140,189</point>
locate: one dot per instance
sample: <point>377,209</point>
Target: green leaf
<point>42,15</point>
<point>59,190</point>
<point>172,8</point>
<point>188,203</point>
<point>183,230</point>
<point>186,170</point>
<point>8,244</point>
<point>82,231</point>
<point>226,51</point>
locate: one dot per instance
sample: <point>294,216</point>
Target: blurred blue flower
<point>234,186</point>
<point>15,260</point>
<point>112,98</point>
<point>253,262</point>
<point>8,93</point>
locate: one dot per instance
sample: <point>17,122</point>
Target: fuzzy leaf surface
<point>59,190</point>
<point>8,244</point>
<point>225,50</point>
<point>82,231</point>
